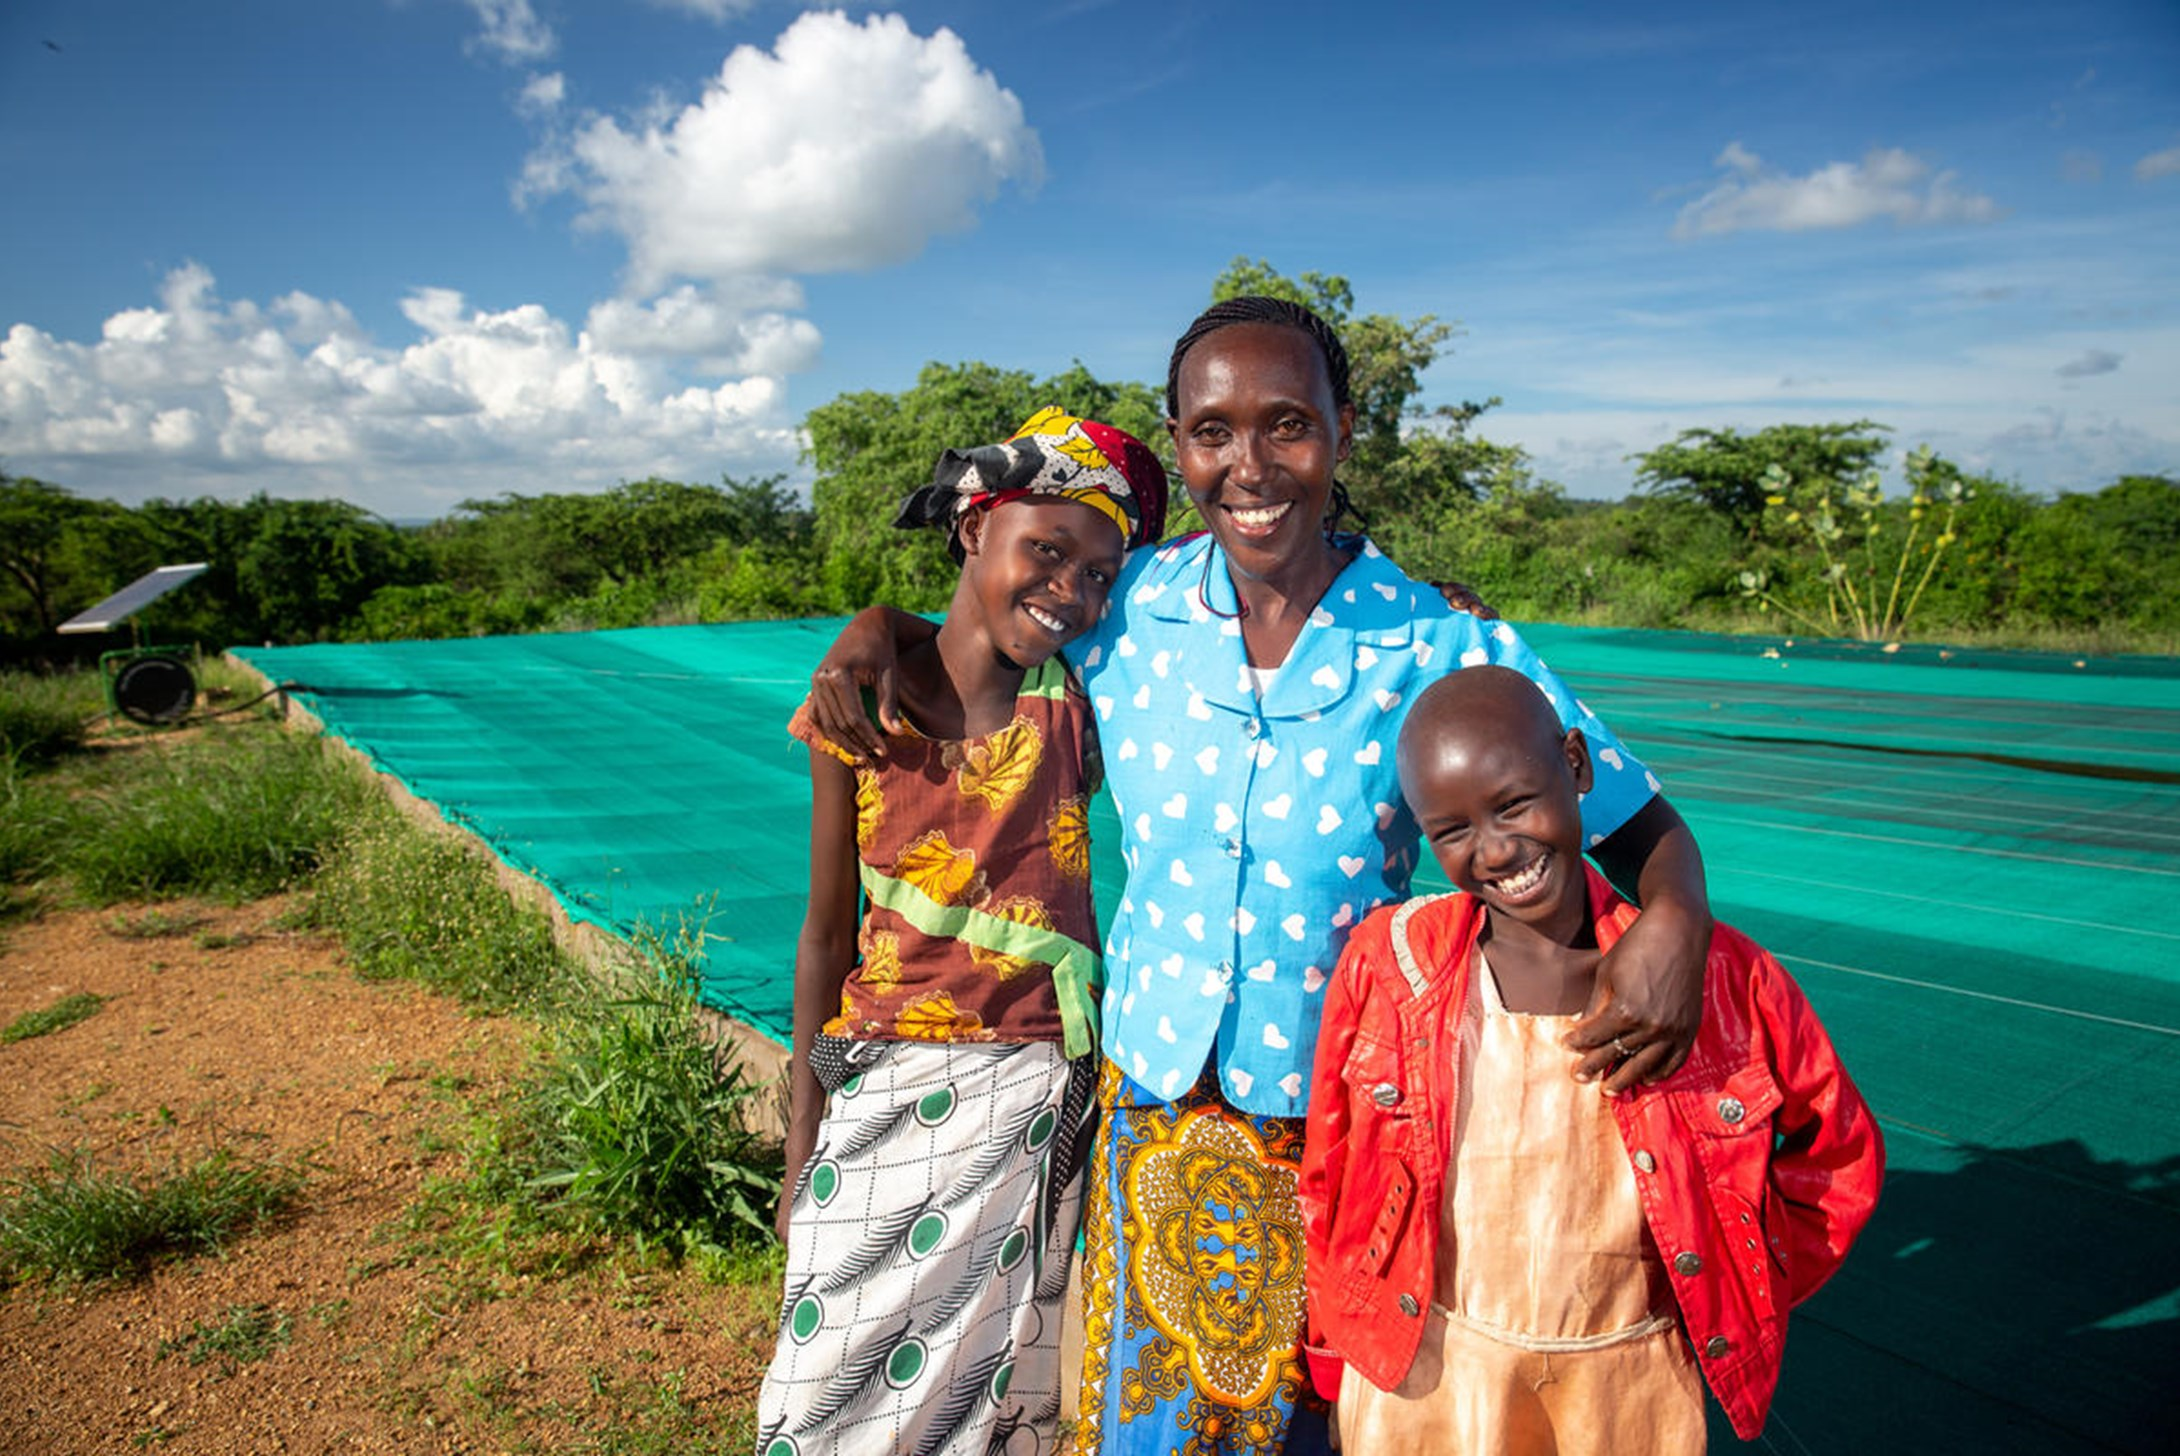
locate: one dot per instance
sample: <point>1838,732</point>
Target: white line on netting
<point>1983,995</point>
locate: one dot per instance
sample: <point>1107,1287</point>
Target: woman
<point>1248,683</point>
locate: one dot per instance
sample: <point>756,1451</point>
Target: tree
<point>872,448</point>
<point>1725,470</point>
<point>62,553</point>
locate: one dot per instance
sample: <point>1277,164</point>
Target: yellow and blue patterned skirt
<point>1192,1280</point>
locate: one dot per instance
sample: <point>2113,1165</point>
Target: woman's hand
<point>1648,1003</point>
<point>866,654</point>
<point>1462,598</point>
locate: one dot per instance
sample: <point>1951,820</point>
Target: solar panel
<point>132,598</point>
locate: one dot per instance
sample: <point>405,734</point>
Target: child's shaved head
<point>1476,705</point>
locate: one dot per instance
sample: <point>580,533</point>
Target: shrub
<point>638,1123</point>
<point>414,905</point>
<point>245,812</point>
<point>74,1222</point>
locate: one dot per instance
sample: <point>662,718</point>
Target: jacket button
<point>1409,1307</point>
<point>1385,1094</point>
<point>1645,1163</point>
<point>1730,1110</point>
<point>1716,1347</point>
<point>1253,728</point>
<point>1687,1263</point>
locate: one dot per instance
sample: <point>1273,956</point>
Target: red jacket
<point>1747,1230</point>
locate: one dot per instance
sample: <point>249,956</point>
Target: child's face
<point>1501,808</point>
<point>1038,570</point>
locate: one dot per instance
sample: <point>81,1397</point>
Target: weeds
<point>638,1124</point>
<point>420,906</point>
<point>61,1015</point>
<point>154,924</point>
<point>74,1222</point>
<point>249,1332</point>
<point>43,715</point>
<point>243,813</point>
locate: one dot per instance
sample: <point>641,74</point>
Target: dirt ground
<point>232,1032</point>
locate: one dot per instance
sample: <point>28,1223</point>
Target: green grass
<point>248,1332</point>
<point>638,1124</point>
<point>154,924</point>
<point>416,905</point>
<point>36,819</point>
<point>61,1015</point>
<point>74,1222</point>
<point>243,811</point>
<point>43,716</point>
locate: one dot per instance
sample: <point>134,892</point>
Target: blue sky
<point>407,252</point>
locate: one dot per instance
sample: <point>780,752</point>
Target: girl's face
<point>1038,570</point>
<point>1257,440</point>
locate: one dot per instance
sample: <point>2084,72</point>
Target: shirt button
<point>1409,1307</point>
<point>1730,1110</point>
<point>1688,1263</point>
<point>1232,847</point>
<point>1253,728</point>
<point>1716,1347</point>
<point>1645,1163</point>
<point>1385,1094</point>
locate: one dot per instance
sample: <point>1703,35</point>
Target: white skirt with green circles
<point>927,1253</point>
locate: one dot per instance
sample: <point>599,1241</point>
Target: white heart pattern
<point>1175,807</point>
<point>1277,808</point>
<point>1314,762</point>
<point>1369,753</point>
<point>1352,865</point>
<point>1273,1039</point>
<point>1294,925</point>
<point>1274,875</point>
<point>1326,677</point>
<point>1161,755</point>
<point>1208,760</point>
<point>1328,819</point>
<point>1179,873</point>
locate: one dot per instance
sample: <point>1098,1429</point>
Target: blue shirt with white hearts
<point>1259,832</point>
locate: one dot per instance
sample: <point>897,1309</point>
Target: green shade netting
<point>1963,857</point>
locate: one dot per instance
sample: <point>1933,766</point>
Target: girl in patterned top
<point>943,1046</point>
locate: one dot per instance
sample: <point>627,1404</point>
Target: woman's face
<point>1257,439</point>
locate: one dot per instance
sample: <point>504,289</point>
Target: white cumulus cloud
<point>200,394</point>
<point>542,94</point>
<point>510,31</point>
<point>846,146</point>
<point>2159,164</point>
<point>1888,183</point>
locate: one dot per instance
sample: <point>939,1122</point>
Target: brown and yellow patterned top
<point>978,923</point>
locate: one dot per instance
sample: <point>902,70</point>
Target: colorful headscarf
<point>1054,453</point>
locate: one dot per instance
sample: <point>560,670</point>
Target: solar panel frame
<point>133,598</point>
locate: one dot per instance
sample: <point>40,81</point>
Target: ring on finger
<point>1622,1048</point>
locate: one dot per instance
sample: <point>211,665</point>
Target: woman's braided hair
<point>1258,308</point>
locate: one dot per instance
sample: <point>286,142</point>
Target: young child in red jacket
<point>1506,1259</point>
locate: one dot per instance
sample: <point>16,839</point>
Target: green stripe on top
<point>1076,968</point>
<point>1048,679</point>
